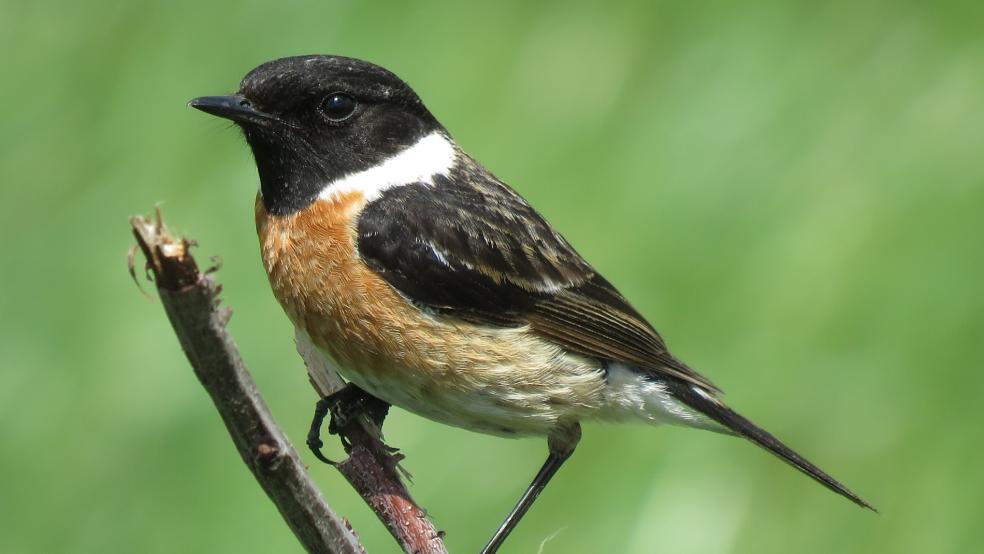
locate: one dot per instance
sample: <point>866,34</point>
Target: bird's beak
<point>234,107</point>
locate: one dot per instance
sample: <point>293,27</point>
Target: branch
<point>190,298</point>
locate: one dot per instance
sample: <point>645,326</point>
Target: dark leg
<point>561,444</point>
<point>344,405</point>
<point>314,433</point>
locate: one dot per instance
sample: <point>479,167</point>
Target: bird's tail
<point>717,411</point>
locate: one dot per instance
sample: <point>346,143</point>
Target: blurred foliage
<point>792,192</point>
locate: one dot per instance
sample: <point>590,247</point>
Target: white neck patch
<point>431,156</point>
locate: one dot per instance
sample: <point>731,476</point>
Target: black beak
<point>234,107</point>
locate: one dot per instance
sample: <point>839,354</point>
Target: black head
<point>312,119</point>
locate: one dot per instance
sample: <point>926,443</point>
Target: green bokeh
<point>793,194</point>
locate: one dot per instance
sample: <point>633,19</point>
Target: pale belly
<point>495,398</point>
<point>502,407</point>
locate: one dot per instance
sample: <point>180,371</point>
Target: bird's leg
<point>314,433</point>
<point>561,445</point>
<point>348,403</point>
<point>344,405</point>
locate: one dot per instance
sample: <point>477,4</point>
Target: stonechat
<point>423,279</point>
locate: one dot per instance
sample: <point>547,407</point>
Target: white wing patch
<point>432,155</point>
<point>438,254</point>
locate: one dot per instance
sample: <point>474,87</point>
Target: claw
<point>345,406</point>
<point>314,433</point>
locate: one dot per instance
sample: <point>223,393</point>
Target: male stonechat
<point>427,282</point>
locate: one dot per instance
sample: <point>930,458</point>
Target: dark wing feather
<point>596,314</point>
<point>484,255</point>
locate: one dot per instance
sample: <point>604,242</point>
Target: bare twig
<point>190,298</point>
<point>191,302</point>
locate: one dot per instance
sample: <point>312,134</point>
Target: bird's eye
<point>338,106</point>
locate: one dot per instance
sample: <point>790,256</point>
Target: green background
<point>791,193</point>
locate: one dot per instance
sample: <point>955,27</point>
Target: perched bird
<point>426,281</point>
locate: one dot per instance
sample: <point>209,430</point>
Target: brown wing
<point>595,319</point>
<point>483,254</point>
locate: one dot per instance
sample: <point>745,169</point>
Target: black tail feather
<point>717,411</point>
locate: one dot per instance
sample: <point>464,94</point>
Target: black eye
<point>338,106</point>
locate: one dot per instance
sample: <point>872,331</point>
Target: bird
<point>431,285</point>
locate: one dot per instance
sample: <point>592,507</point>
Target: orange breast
<point>317,276</point>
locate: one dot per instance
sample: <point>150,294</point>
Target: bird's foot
<point>314,442</point>
<point>350,402</point>
<point>346,405</point>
